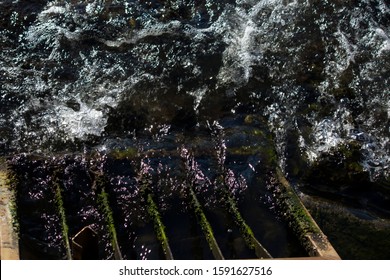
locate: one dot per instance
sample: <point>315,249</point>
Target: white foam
<point>153,29</point>
<point>349,51</point>
<point>385,45</point>
<point>198,95</point>
<point>54,10</point>
<point>80,124</point>
<point>237,28</point>
<point>94,8</point>
<point>328,133</point>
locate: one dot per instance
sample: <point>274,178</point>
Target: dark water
<point>303,85</point>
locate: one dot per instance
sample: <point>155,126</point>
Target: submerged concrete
<point>299,220</point>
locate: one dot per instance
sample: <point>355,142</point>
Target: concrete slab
<point>9,245</point>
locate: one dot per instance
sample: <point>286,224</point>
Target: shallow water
<point>279,83</point>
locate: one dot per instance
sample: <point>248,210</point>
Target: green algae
<point>245,230</point>
<point>301,222</point>
<point>12,183</point>
<point>145,181</point>
<point>300,219</point>
<point>244,150</point>
<point>128,153</point>
<point>103,201</point>
<point>61,211</point>
<point>266,152</point>
<point>205,225</point>
<point>159,227</point>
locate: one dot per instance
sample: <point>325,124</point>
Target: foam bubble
<point>80,124</point>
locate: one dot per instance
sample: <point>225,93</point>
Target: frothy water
<point>79,73</point>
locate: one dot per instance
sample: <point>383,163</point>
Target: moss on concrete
<point>245,229</point>
<point>12,182</point>
<point>266,152</point>
<point>205,225</point>
<point>103,201</point>
<point>61,211</point>
<point>301,222</point>
<point>128,153</point>
<point>159,227</point>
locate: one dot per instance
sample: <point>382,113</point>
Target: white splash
<point>328,133</point>
<point>82,123</point>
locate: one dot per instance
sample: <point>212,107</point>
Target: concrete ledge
<point>9,245</point>
<point>309,233</point>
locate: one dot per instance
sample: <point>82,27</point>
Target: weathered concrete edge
<point>159,227</point>
<point>206,227</point>
<point>314,240</point>
<point>9,243</point>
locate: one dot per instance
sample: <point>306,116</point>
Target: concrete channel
<point>303,225</point>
